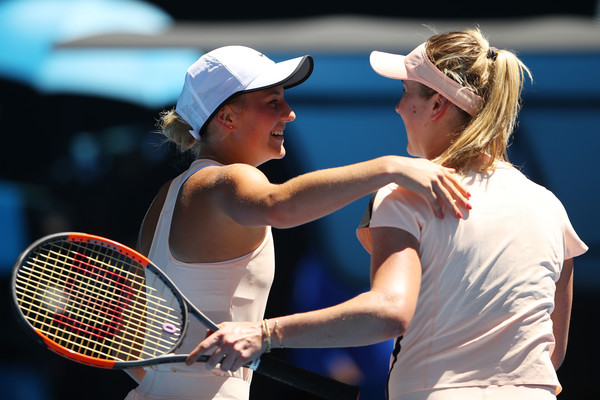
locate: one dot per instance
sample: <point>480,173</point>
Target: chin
<point>411,152</point>
<point>276,156</point>
<point>415,152</point>
<point>280,154</point>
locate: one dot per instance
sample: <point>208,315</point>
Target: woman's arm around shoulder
<point>247,196</point>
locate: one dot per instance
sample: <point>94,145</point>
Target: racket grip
<point>305,380</point>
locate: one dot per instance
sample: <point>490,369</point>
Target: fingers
<point>220,354</point>
<point>449,192</point>
<point>436,202</point>
<point>440,185</point>
<point>444,198</point>
<point>226,358</point>
<point>208,344</point>
<point>459,193</point>
<point>221,358</point>
<point>230,362</point>
<point>231,347</point>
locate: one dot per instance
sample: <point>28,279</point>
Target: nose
<point>287,114</point>
<point>397,108</point>
<point>291,116</point>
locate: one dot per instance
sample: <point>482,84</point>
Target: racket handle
<point>305,380</point>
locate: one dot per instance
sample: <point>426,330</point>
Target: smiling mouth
<point>277,133</point>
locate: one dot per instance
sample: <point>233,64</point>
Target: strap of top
<point>163,226</point>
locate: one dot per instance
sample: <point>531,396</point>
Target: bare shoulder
<point>206,226</point>
<point>150,221</point>
<point>240,171</point>
<point>230,178</point>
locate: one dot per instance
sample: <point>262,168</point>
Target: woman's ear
<point>440,105</point>
<point>225,117</point>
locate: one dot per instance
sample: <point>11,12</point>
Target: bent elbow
<point>282,214</point>
<point>397,319</point>
<point>399,326</point>
<point>278,217</point>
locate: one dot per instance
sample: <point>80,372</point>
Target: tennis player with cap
<point>210,227</point>
<point>479,306</point>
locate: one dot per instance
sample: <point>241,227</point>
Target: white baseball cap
<point>223,72</point>
<point>417,66</point>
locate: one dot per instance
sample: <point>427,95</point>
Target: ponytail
<point>176,130</point>
<point>495,75</point>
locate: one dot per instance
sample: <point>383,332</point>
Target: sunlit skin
<point>258,124</point>
<point>421,116</point>
<point>264,121</point>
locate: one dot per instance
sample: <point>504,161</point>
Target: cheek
<point>407,111</point>
<point>406,107</point>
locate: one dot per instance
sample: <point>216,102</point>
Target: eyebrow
<point>276,90</point>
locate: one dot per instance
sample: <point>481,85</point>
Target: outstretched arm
<point>250,199</point>
<point>382,313</point>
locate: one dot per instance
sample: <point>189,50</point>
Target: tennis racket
<point>100,303</point>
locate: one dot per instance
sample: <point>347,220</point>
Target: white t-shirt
<point>488,283</point>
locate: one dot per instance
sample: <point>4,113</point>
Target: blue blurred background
<point>82,83</point>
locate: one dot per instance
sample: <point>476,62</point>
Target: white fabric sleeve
<point>395,207</point>
<point>574,246</point>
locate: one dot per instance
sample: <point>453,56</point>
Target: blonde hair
<point>495,75</point>
<point>176,130</point>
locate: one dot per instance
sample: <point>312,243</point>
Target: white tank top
<point>234,290</point>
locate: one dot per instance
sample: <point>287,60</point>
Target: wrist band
<point>277,331</point>
<point>266,329</point>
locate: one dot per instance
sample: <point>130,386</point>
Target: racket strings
<point>53,322</point>
<point>90,329</point>
<point>95,286</point>
<point>79,316</point>
<point>96,301</point>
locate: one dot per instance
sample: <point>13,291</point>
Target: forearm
<point>319,193</point>
<point>366,319</point>
<point>313,195</point>
<point>382,313</point>
<point>250,199</point>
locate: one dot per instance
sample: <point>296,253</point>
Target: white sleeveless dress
<point>234,290</point>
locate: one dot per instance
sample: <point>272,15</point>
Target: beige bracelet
<point>265,325</point>
<point>277,331</point>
